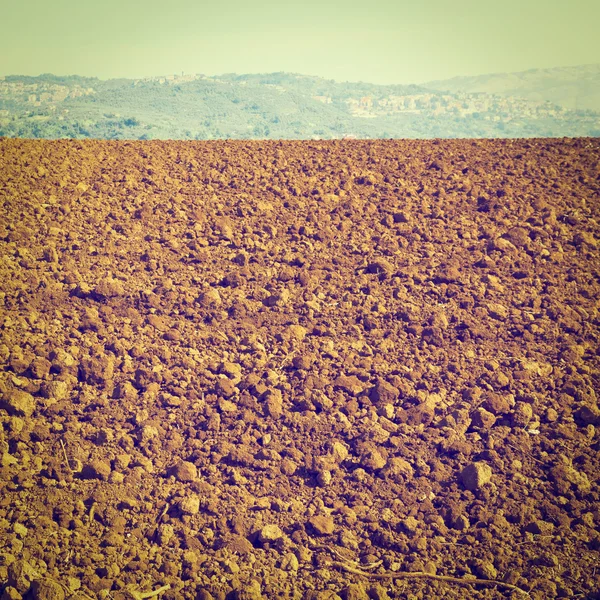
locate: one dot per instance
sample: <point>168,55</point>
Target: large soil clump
<point>356,369</point>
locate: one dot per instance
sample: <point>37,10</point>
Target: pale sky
<point>379,41</point>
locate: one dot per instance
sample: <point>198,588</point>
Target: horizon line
<point>264,74</point>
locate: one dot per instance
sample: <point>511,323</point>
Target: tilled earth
<point>357,369</point>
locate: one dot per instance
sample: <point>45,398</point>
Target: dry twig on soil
<point>422,575</point>
<point>62,445</point>
<point>144,595</point>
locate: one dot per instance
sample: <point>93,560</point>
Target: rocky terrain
<point>352,369</point>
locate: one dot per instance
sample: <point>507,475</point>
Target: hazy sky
<point>380,41</point>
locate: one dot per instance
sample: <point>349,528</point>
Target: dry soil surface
<point>356,369</point>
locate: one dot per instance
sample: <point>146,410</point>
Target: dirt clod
<point>18,403</point>
<point>47,589</point>
<point>322,525</point>
<point>185,471</point>
<point>476,475</point>
<point>270,533</point>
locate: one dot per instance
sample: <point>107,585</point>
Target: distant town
<point>279,105</point>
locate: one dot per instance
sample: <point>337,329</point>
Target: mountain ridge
<point>572,90</point>
<point>284,105</point>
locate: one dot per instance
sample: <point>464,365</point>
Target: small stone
<point>430,567</point>
<point>109,288</point>
<point>347,539</point>
<point>40,367</point>
<point>447,273</point>
<point>339,452</point>
<point>288,467</point>
<point>476,475</point>
<point>540,527</point>
<point>381,266</point>
<point>16,425</point>
<point>232,370</point>
<point>20,529</point>
<point>173,335</point>
<point>210,298</point>
<point>289,562</point>
<point>410,525</point>
<point>386,410</point>
<point>250,591</point>
<point>227,406</point>
<point>269,533</point>
<point>398,469</point>
<point>499,404</point>
<point>324,478</point>
<point>230,566</point>
<point>224,227</point>
<point>145,463</point>
<point>497,311</point>
<point>461,523</point>
<point>278,299</point>
<point>484,569</point>
<point>483,419</point>
<point>547,559</point>
<point>378,592</point>
<point>519,236</point>
<point>11,593</point>
<point>165,534</point>
<point>8,460</point>
<point>384,393</point>
<point>18,403</point>
<point>274,403</point>
<point>588,414</point>
<point>47,589</point>
<point>303,362</point>
<point>190,505</point>
<point>126,390</point>
<point>350,384</point>
<point>325,575</point>
<point>103,436</point>
<point>238,544</point>
<point>184,471</point>
<point>523,413</point>
<point>304,554</point>
<point>322,525</point>
<point>355,591</point>
<point>147,433</point>
<point>97,469</point>
<point>372,460</point>
<point>565,475</point>
<point>159,323</point>
<point>115,477</point>
<point>359,475</point>
<point>20,575</point>
<point>225,388</point>
<point>500,380</point>
<point>512,576</point>
<point>62,360</point>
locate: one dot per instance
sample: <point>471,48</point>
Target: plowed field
<point>356,369</point>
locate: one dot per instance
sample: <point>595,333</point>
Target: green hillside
<point>275,105</point>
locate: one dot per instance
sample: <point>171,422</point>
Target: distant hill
<point>287,106</point>
<point>571,87</point>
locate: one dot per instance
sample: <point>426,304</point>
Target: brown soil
<point>311,369</point>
